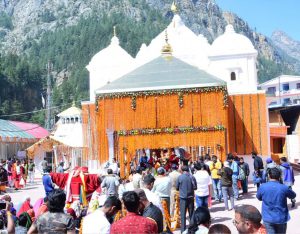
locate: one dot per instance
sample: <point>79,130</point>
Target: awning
<point>46,143</point>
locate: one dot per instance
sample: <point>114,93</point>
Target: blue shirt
<point>235,169</point>
<point>274,202</point>
<point>47,182</point>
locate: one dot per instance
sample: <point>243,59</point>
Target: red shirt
<point>135,224</point>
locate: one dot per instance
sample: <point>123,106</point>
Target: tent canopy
<point>46,143</point>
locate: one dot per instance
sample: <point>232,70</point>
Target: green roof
<point>162,73</point>
<point>7,129</point>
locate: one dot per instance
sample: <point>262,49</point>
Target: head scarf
<point>25,207</point>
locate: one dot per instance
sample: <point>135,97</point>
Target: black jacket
<point>226,176</point>
<point>186,184</point>
<point>155,213</point>
<point>258,163</point>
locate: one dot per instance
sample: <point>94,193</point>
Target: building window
<point>286,87</point>
<point>286,101</point>
<point>232,76</point>
<point>271,90</point>
<point>296,101</point>
<point>298,85</point>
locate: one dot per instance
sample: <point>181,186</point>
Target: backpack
<point>242,174</point>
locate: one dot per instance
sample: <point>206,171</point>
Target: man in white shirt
<point>162,186</point>
<point>97,222</point>
<point>203,180</point>
<point>152,197</point>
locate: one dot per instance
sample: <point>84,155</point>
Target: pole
<point>48,104</point>
<point>279,89</point>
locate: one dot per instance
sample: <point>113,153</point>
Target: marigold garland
<point>168,219</point>
<point>179,92</point>
<point>151,131</point>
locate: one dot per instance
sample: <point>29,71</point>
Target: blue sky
<point>267,15</point>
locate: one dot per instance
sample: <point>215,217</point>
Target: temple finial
<point>167,50</point>
<point>174,8</point>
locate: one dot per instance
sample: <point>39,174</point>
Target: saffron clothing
<point>134,224</point>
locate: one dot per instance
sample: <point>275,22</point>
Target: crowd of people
<point>157,196</point>
<point>15,173</point>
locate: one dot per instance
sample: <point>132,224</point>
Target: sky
<point>267,15</point>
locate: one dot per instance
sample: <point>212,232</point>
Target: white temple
<point>231,57</point>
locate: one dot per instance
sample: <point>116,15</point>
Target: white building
<point>231,57</point>
<point>283,90</point>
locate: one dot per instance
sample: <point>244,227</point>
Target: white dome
<point>108,65</point>
<point>231,43</point>
<point>111,56</point>
<point>186,45</point>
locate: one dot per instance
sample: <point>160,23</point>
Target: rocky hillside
<point>70,32</point>
<point>287,44</point>
<point>22,20</point>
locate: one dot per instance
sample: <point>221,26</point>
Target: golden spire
<point>174,8</point>
<point>166,50</point>
<point>115,34</point>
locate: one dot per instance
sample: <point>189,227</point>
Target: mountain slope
<point>70,32</point>
<point>287,44</point>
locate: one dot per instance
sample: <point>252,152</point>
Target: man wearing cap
<point>174,176</point>
<point>152,197</point>
<point>162,186</point>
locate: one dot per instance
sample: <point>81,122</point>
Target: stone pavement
<point>218,214</point>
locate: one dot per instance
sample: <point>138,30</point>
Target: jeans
<point>201,201</point>
<point>186,204</point>
<point>245,185</point>
<point>235,187</point>
<point>217,189</point>
<point>228,192</point>
<point>273,228</point>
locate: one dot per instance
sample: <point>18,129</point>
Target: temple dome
<point>186,45</point>
<point>232,43</point>
<point>113,55</point>
<point>108,65</point>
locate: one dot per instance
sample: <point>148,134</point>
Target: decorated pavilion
<point>183,92</point>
